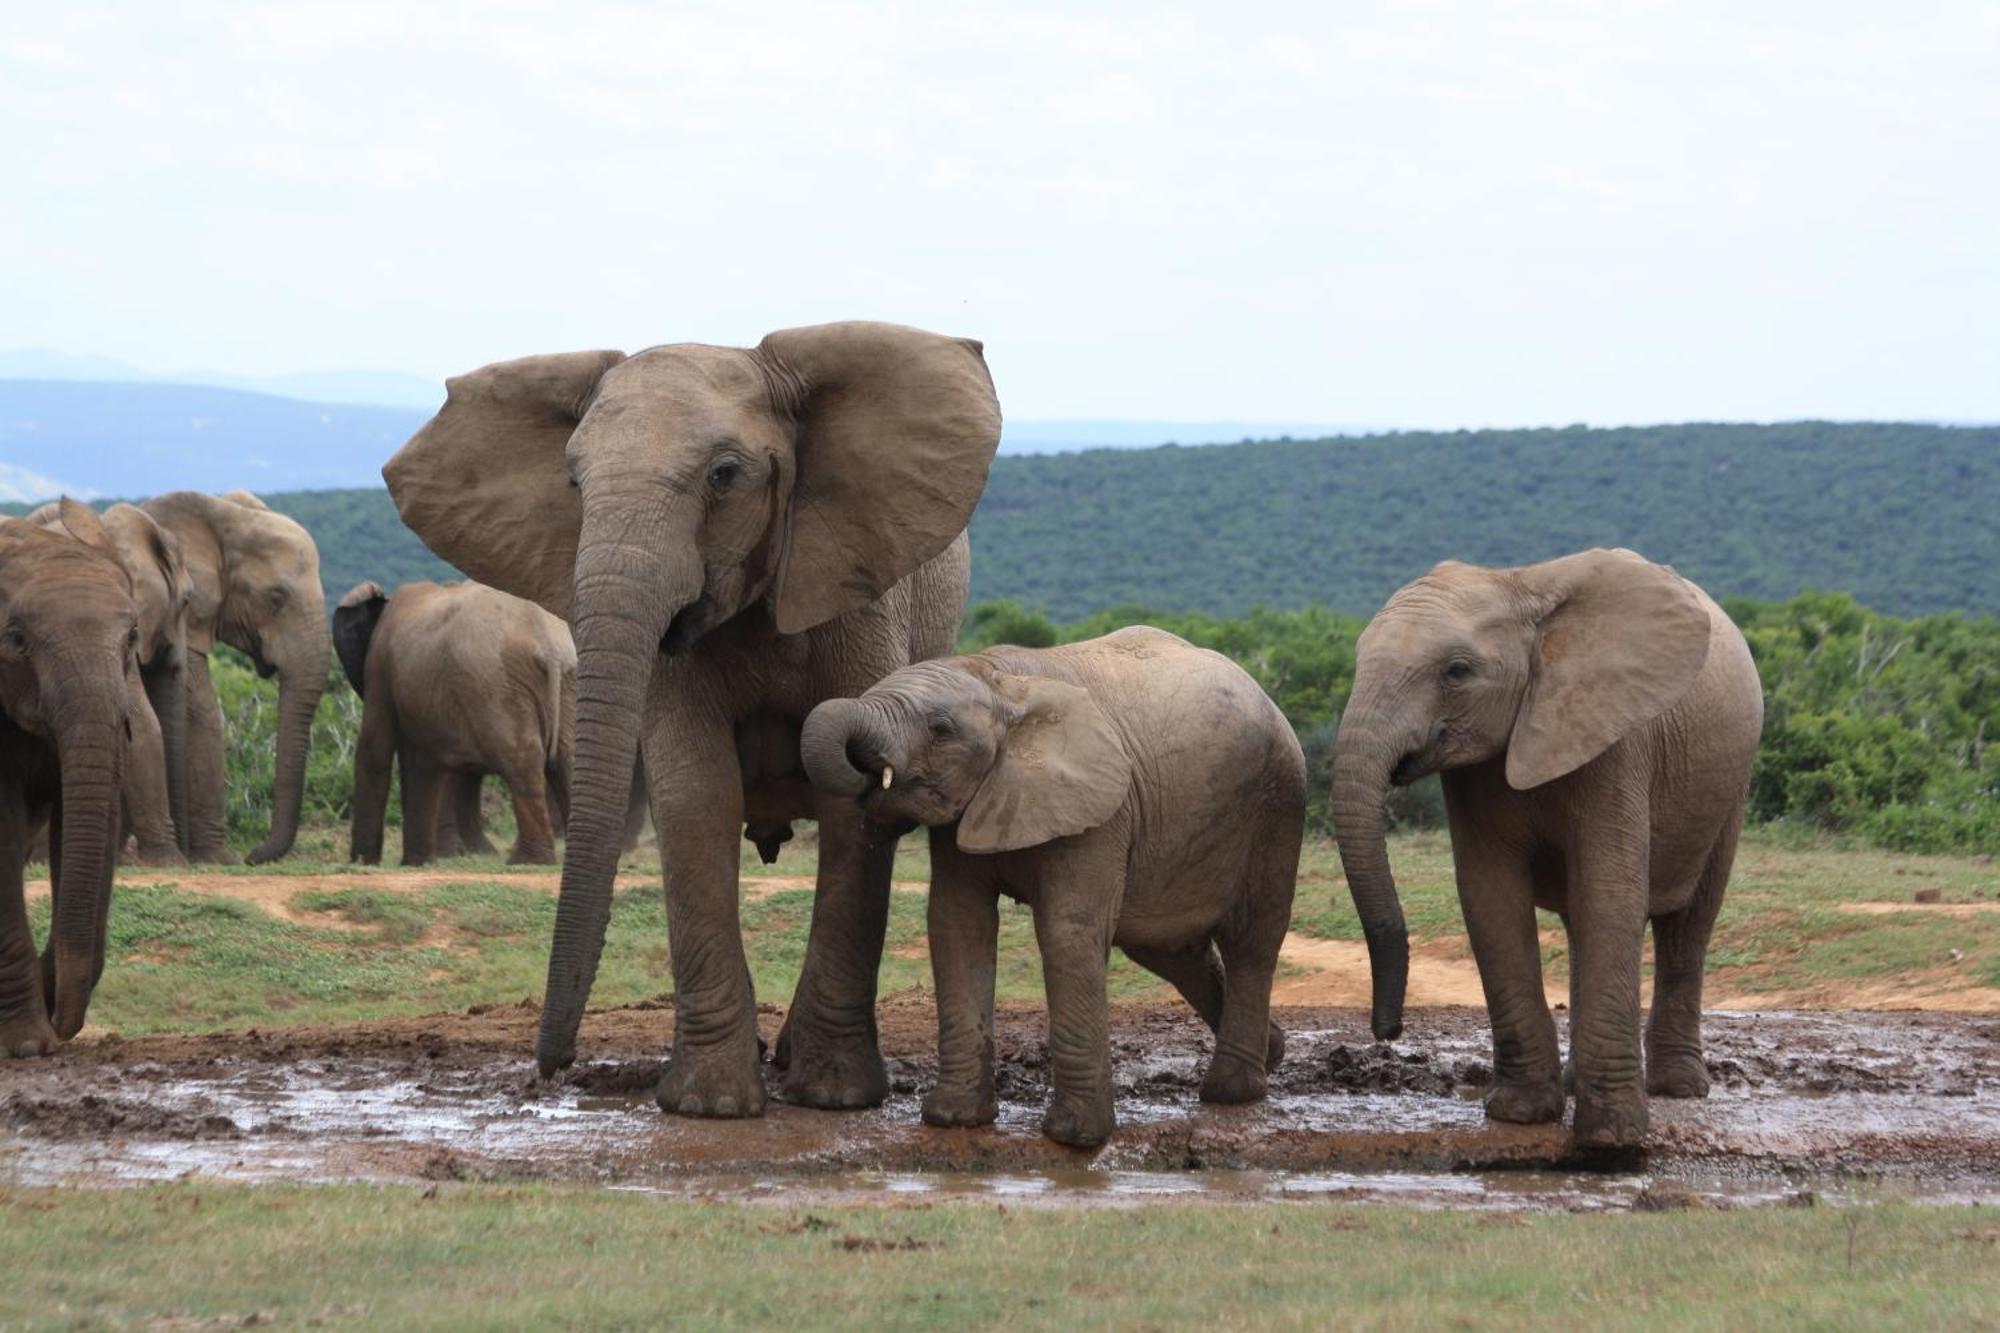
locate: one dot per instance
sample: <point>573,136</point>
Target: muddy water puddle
<point>1804,1106</point>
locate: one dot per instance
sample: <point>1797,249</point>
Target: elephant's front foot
<point>717,1085</point>
<point>157,854</point>
<point>25,1033</point>
<point>1232,1081</point>
<point>1079,1121</point>
<point>1677,1074</point>
<point>213,855</point>
<point>532,856</point>
<point>831,1073</point>
<point>1532,1103</point>
<point>961,1106</point>
<point>1610,1120</point>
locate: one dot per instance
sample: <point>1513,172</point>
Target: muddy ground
<point>1805,1105</point>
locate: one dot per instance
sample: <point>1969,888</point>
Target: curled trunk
<point>90,749</point>
<point>625,596</point>
<point>844,746</point>
<point>1362,764</point>
<point>301,681</point>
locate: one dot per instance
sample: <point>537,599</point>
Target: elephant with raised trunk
<point>457,681</point>
<point>156,775</point>
<point>735,535</point>
<point>69,636</point>
<point>1594,719</point>
<point>1132,790</point>
<point>254,576</point>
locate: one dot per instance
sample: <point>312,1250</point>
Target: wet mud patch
<point>1820,1103</point>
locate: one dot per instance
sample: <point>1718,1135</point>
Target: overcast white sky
<point>1420,214</point>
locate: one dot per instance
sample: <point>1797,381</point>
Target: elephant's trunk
<point>1363,760</point>
<point>89,724</point>
<point>847,746</point>
<point>301,680</point>
<point>626,594</point>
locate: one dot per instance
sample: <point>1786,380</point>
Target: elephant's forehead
<point>684,374</point>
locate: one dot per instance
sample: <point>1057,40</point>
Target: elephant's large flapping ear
<point>896,430</point>
<point>354,628</point>
<point>80,521</point>
<point>1623,641</point>
<point>485,483</point>
<point>1061,770</point>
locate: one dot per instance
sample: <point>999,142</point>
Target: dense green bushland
<point>1873,725</point>
<point>1900,515</point>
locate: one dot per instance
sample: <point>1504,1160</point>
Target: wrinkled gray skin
<point>1594,719</point>
<point>457,681</point>
<point>1132,790</point>
<point>254,576</point>
<point>734,535</point>
<point>68,642</point>
<point>156,774</point>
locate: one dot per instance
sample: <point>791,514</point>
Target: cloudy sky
<point>1415,214</point>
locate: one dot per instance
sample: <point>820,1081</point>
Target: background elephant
<point>156,772</point>
<point>457,681</point>
<point>1132,790</point>
<point>68,637</point>
<point>1594,719</point>
<point>254,577</point>
<point>735,535</point>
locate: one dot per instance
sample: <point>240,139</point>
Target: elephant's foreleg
<point>148,810</point>
<point>830,1050</point>
<point>1674,1063</point>
<point>1076,910</point>
<point>208,824</point>
<point>1497,896</point>
<point>964,926</point>
<point>698,808</point>
<point>1607,904</point>
<point>24,1015</point>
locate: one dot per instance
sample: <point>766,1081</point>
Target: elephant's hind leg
<point>535,839</point>
<point>423,789</point>
<point>1674,1064</point>
<point>1196,972</point>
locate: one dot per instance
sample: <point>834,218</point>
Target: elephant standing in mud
<point>69,636</point>
<point>1594,719</point>
<point>734,535</point>
<point>254,576</point>
<point>1132,790</point>
<point>156,773</point>
<point>457,681</point>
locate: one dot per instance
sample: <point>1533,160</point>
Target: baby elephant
<point>457,680</point>
<point>1132,790</point>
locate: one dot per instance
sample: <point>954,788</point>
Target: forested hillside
<point>1901,516</point>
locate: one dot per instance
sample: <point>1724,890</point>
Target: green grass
<point>488,1256</point>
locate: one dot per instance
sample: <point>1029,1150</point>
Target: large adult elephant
<point>457,680</point>
<point>156,774</point>
<point>254,576</point>
<point>1594,719</point>
<point>735,535</point>
<point>68,631</point>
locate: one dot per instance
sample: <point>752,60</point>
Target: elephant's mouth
<point>689,623</point>
<point>1413,766</point>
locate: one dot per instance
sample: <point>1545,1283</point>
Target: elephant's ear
<point>80,521</point>
<point>896,430</point>
<point>1061,770</point>
<point>354,628</point>
<point>1622,641</point>
<point>485,483</point>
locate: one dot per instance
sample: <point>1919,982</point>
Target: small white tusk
<point>888,776</point>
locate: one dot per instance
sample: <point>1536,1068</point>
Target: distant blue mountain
<point>112,438</point>
<point>1052,436</point>
<point>368,388</point>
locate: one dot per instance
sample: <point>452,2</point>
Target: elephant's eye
<point>943,727</point>
<point>1458,671</point>
<point>723,475</point>
<point>15,640</point>
<point>132,638</point>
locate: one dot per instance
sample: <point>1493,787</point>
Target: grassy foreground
<point>544,1257</point>
<point>350,943</point>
